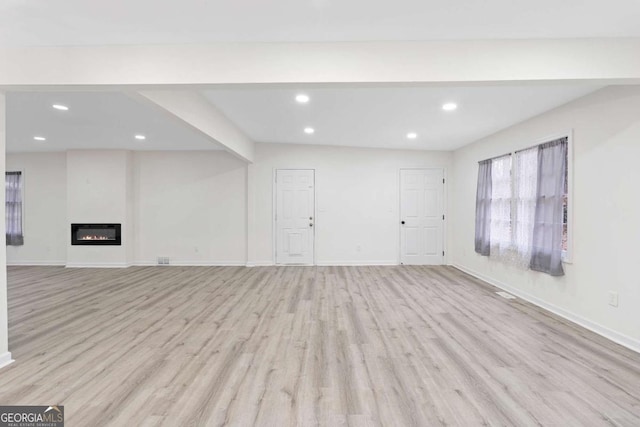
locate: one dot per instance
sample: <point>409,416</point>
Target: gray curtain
<point>546,253</point>
<point>483,208</point>
<point>13,211</point>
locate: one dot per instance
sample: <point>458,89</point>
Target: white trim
<point>97,265</point>
<point>139,264</point>
<point>260,263</point>
<point>5,359</point>
<point>190,264</point>
<point>445,222</point>
<point>124,265</point>
<point>355,263</point>
<point>325,263</point>
<point>624,340</point>
<point>36,263</point>
<point>274,223</point>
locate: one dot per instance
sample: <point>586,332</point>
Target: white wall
<point>356,199</point>
<point>98,188</point>
<point>191,207</point>
<point>606,222</point>
<point>5,356</point>
<point>46,232</point>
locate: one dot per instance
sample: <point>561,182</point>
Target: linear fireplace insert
<point>96,234</point>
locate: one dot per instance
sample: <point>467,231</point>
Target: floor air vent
<point>506,295</point>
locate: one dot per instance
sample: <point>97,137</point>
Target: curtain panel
<point>520,207</point>
<point>546,251</point>
<point>13,208</point>
<point>483,208</point>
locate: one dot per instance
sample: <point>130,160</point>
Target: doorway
<point>422,216</point>
<point>295,216</point>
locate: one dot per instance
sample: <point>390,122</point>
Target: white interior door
<point>295,217</point>
<point>421,216</point>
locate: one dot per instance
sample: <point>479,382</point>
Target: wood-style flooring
<point>287,346</point>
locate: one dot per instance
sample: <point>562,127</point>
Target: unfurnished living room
<point>320,213</point>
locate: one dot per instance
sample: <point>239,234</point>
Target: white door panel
<point>431,203</point>
<point>422,216</point>
<point>431,241</point>
<point>295,196</point>
<point>412,241</point>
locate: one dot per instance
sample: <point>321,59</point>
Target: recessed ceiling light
<point>412,135</point>
<point>140,137</point>
<point>449,106</point>
<point>60,107</point>
<point>302,98</point>
<point>309,130</point>
<point>39,138</point>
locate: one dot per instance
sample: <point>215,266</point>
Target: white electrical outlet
<point>163,260</point>
<point>358,248</point>
<point>613,299</point>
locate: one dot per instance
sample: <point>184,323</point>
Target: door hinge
<point>443,217</point>
<point>443,180</point>
<point>442,253</point>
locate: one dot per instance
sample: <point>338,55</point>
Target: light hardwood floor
<point>284,346</point>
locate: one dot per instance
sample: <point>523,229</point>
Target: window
<point>529,207</point>
<point>524,201</point>
<point>501,206</point>
<point>13,208</point>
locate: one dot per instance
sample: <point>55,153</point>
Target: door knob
<point>402,222</point>
<point>310,225</point>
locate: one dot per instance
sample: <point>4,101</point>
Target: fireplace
<point>95,234</point>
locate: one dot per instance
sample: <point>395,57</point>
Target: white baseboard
<point>325,263</point>
<point>97,265</point>
<point>36,263</point>
<point>259,263</point>
<point>5,359</point>
<point>624,340</point>
<point>354,263</point>
<point>192,264</point>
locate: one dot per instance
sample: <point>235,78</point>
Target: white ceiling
<point>382,117</point>
<point>377,117</point>
<point>82,22</point>
<point>95,120</point>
